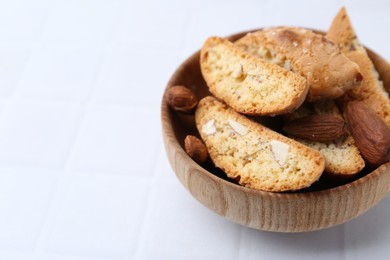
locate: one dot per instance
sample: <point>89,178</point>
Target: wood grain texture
<point>308,210</point>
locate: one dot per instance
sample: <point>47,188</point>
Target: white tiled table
<point>83,172</point>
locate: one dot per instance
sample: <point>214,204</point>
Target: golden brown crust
<point>383,68</point>
<point>329,72</point>
<point>371,91</point>
<point>254,155</point>
<point>342,33</point>
<point>248,84</point>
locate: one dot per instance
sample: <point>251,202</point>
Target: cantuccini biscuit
<point>256,156</point>
<point>248,84</point>
<point>328,71</point>
<point>371,91</point>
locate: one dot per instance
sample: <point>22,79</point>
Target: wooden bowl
<point>327,203</point>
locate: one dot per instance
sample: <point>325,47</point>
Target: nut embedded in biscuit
<point>209,127</point>
<point>280,151</point>
<point>237,127</point>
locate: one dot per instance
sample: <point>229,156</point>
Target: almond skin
<point>196,149</point>
<point>371,134</point>
<point>181,98</point>
<point>320,128</point>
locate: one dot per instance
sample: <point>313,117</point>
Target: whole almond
<point>371,134</point>
<point>316,127</point>
<point>196,149</point>
<point>181,98</point>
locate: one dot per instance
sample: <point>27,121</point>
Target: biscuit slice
<point>371,91</point>
<point>329,73</point>
<point>383,68</point>
<point>256,156</point>
<point>247,83</point>
<point>342,157</point>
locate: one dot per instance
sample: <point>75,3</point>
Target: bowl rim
<point>168,132</point>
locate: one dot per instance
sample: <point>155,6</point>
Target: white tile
<point>368,21</point>
<point>216,19</point>
<point>37,135</point>
<point>60,74</point>
<point>17,255</point>
<point>152,24</point>
<point>368,236</point>
<point>100,217</point>
<point>163,169</point>
<point>67,257</point>
<point>136,78</point>
<point>12,62</point>
<point>179,227</point>
<point>22,21</point>
<point>3,103</point>
<point>25,197</point>
<point>82,22</point>
<point>118,140</point>
<point>289,13</point>
<point>324,244</point>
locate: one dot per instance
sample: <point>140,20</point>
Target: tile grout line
<point>141,241</point>
<point>90,101</point>
<point>239,251</point>
<point>55,205</point>
<point>12,100</point>
<point>66,171</point>
<point>31,48</point>
<point>59,190</point>
<point>37,43</point>
<point>58,196</point>
<point>155,178</point>
<point>344,241</point>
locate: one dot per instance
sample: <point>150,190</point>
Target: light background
<point>83,172</point>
